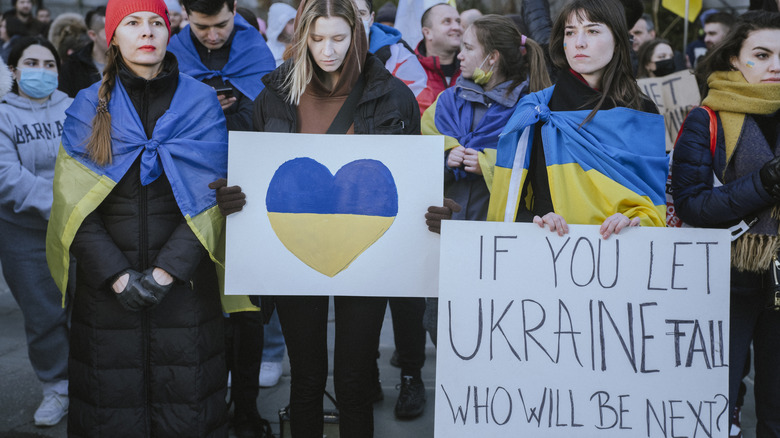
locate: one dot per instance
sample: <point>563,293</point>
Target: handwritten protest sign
<point>333,214</point>
<point>674,95</point>
<point>548,336</point>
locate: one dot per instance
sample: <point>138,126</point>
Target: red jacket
<point>437,82</point>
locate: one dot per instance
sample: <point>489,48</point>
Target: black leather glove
<point>158,290</point>
<point>437,214</point>
<point>229,199</point>
<point>770,177</point>
<point>135,296</point>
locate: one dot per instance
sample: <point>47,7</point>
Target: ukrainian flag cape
<point>453,117</point>
<point>189,143</point>
<point>615,163</point>
<point>249,60</point>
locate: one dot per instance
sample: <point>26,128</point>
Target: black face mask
<point>664,67</point>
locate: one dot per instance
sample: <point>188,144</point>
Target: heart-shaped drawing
<point>328,221</point>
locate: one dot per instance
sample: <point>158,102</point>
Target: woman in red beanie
<point>133,208</point>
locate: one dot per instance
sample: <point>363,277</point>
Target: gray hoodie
<point>30,136</point>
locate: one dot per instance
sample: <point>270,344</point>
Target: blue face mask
<point>37,82</point>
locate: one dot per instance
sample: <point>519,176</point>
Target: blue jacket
<point>696,201</point>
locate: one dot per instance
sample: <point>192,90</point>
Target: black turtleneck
<point>151,98</point>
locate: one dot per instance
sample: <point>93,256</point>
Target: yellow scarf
<point>732,97</point>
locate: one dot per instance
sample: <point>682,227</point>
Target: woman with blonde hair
<point>330,68</point>
<point>132,206</point>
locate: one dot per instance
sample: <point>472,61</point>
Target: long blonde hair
<point>302,63</point>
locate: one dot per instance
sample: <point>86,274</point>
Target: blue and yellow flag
<point>327,220</point>
<point>189,143</point>
<point>615,163</point>
<point>249,60</point>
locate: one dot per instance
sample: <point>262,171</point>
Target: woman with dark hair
<point>656,59</point>
<point>132,206</point>
<point>31,119</point>
<point>330,59</point>
<point>578,139</point>
<point>743,94</point>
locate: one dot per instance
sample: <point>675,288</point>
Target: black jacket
<point>160,371</point>
<point>387,105</point>
<point>78,71</point>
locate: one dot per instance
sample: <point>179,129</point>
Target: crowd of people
<point>113,179</point>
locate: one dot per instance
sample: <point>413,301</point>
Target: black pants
<point>752,321</point>
<point>244,348</point>
<point>409,333</point>
<point>304,325</point>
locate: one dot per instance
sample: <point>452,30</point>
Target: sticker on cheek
<point>750,64</point>
<point>564,45</point>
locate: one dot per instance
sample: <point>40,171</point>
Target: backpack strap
<point>346,115</point>
<point>713,128</point>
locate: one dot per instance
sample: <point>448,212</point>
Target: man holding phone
<point>221,49</point>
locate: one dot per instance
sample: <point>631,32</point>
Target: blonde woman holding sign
<point>330,69</point>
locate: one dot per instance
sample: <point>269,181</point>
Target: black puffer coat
<point>385,104</point>
<point>78,71</point>
<point>159,372</point>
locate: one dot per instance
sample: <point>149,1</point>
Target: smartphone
<point>227,92</point>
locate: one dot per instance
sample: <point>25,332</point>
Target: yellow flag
<point>678,8</point>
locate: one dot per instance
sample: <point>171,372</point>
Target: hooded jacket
<point>279,14</point>
<point>30,135</point>
<point>400,60</point>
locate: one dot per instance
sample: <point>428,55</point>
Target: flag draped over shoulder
<point>250,59</point>
<point>189,143</point>
<point>453,117</point>
<point>615,163</point>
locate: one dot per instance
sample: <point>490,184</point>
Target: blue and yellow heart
<point>327,221</point>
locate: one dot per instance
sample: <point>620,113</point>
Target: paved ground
<point>20,390</point>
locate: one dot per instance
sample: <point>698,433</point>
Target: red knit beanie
<point>116,10</point>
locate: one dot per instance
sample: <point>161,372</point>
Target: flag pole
<point>685,24</point>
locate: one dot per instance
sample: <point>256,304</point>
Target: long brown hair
<point>498,33</point>
<point>617,83</point>
<point>99,143</point>
<point>719,57</point>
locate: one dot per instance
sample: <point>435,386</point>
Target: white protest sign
<point>333,214</point>
<point>575,336</point>
<point>674,95</point>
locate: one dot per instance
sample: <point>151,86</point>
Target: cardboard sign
<point>548,336</point>
<point>333,214</point>
<point>674,95</point>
